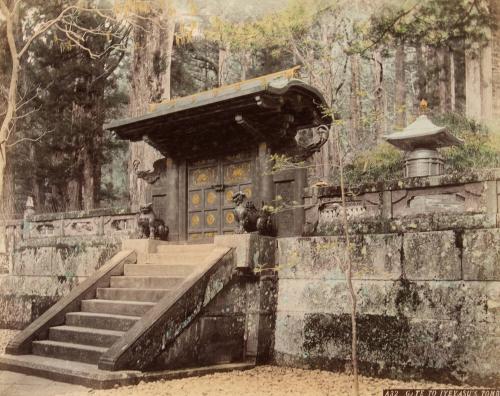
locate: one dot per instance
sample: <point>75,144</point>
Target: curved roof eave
<point>279,87</point>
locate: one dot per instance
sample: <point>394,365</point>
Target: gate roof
<point>271,108</point>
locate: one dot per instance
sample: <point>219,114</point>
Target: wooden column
<point>299,217</point>
<point>266,178</point>
<point>172,199</point>
<point>182,200</point>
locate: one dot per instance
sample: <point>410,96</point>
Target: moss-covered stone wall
<point>428,304</point>
<point>41,271</point>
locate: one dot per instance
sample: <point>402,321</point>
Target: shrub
<point>481,149</point>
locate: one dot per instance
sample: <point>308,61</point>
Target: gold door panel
<point>211,187</point>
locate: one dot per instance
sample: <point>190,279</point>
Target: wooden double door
<point>211,185</point>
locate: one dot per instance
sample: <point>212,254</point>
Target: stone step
<point>116,307</point>
<point>101,321</point>
<point>130,294</point>
<point>90,376</point>
<point>185,258</point>
<point>183,248</point>
<point>157,270</point>
<point>85,335</point>
<point>68,351</point>
<point>146,282</point>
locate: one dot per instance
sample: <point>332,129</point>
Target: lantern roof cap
<point>422,133</point>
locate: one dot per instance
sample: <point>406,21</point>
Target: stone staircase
<point>112,310</point>
<point>87,334</point>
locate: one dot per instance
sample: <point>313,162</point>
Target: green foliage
<point>384,162</point>
<point>481,149</point>
<point>432,22</point>
<point>71,94</point>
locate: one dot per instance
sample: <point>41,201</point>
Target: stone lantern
<point>420,140</point>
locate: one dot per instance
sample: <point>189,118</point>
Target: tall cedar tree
<point>73,93</point>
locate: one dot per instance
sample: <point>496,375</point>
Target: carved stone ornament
<point>150,176</point>
<point>305,149</point>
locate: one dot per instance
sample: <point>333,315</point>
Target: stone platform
<point>90,376</point>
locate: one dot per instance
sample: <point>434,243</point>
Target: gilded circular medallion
<point>195,220</point>
<point>229,217</point>
<point>210,219</point>
<point>201,177</point>
<point>196,199</point>
<point>211,197</point>
<point>238,172</point>
<point>229,196</point>
<point>248,192</point>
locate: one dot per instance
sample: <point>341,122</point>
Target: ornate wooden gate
<point>211,185</point>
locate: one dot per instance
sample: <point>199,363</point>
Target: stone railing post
<point>29,210</point>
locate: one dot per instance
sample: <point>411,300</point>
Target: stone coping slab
<point>80,214</point>
<point>413,182</point>
<point>90,376</point>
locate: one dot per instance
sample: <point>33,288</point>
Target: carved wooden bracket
<point>150,176</point>
<point>304,152</point>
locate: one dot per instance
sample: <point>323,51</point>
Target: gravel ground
<point>264,380</point>
<point>260,381</point>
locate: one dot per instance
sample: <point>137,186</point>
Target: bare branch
<point>44,27</point>
<point>37,139</point>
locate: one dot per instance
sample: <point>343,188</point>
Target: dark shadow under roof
<point>270,108</point>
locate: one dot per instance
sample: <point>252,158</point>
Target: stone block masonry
<point>42,258</point>
<point>427,304</point>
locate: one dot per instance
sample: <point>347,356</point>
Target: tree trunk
<point>222,66</point>
<point>347,265</point>
<point>88,193</point>
<point>444,80</point>
<point>73,195</point>
<point>35,182</point>
<point>421,76</point>
<point>12,94</point>
<point>8,201</point>
<point>452,82</point>
<point>379,97</point>
<point>169,46</point>
<point>400,89</point>
<point>355,101</point>
<point>245,62</point>
<point>149,83</point>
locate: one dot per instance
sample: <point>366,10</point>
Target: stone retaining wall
<point>428,304</point>
<point>44,256</point>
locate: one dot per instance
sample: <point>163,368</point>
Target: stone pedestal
<point>253,251</point>
<point>256,254</point>
<point>142,247</point>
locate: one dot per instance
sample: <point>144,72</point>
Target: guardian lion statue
<point>245,213</point>
<point>150,226</point>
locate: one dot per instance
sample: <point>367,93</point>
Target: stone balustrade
<point>44,256</point>
<point>82,223</point>
<point>467,195</point>
<point>91,223</point>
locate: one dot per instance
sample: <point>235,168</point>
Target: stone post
<point>28,212</point>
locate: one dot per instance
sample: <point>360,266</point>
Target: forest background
<point>379,64</point>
